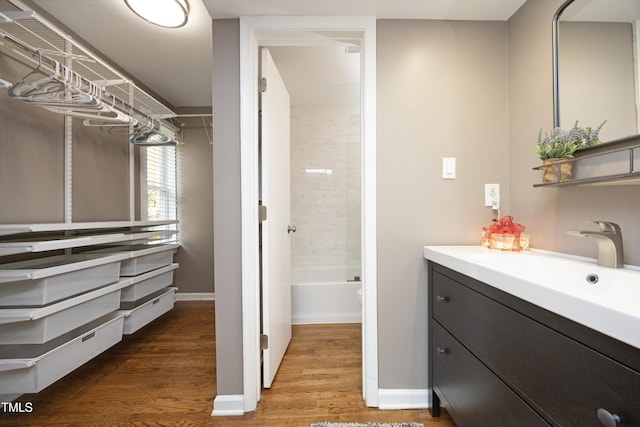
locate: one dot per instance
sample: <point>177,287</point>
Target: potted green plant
<point>556,150</point>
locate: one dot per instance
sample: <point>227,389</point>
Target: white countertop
<point>555,282</point>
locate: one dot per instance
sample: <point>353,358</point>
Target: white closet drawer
<point>50,279</point>
<point>149,309</point>
<point>142,258</point>
<point>145,258</point>
<point>148,283</point>
<point>38,325</point>
<point>31,368</point>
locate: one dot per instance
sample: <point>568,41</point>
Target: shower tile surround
<point>325,192</point>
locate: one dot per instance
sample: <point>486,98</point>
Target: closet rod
<point>194,115</point>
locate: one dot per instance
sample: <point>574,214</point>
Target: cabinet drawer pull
<point>155,301</point>
<point>88,337</point>
<point>607,418</point>
<point>441,298</point>
<point>442,350</point>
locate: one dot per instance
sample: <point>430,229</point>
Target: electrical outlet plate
<point>492,194</point>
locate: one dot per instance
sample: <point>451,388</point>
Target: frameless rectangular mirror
<point>596,66</point>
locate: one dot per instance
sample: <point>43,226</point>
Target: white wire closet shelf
<point>9,229</point>
<point>57,243</point>
<point>90,88</point>
<point>150,232</point>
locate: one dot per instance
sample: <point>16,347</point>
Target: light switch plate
<point>448,168</point>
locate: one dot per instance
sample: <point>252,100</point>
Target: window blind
<point>161,183</point>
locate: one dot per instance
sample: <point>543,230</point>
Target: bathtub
<point>319,296</point>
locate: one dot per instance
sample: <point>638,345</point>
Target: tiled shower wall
<point>325,193</point>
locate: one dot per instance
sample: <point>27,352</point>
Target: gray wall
<point>226,205</point>
<point>100,175</point>
<point>442,92</point>
<point>32,164</point>
<point>195,207</point>
<point>31,157</point>
<point>549,212</point>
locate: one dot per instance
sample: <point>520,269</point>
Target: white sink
<point>602,298</point>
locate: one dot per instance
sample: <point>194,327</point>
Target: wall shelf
<point>611,166</point>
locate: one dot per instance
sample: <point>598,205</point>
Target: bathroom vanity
<point>510,346</point>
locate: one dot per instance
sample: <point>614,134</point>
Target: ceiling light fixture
<point>166,13</point>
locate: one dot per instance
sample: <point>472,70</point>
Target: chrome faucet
<point>609,239</point>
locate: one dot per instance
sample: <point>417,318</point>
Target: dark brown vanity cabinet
<point>496,360</point>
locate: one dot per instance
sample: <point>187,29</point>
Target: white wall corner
<point>195,296</point>
<point>228,405</point>
<point>404,398</point>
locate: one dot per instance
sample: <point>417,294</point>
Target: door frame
<point>258,31</point>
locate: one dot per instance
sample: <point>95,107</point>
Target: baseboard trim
<point>403,398</point>
<point>196,296</point>
<point>314,320</point>
<point>228,405</point>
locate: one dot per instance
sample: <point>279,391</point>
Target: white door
<point>276,250</point>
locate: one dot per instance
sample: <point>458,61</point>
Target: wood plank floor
<point>164,375</point>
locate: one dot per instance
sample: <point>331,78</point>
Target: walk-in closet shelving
<point>79,295</point>
<point>70,79</point>
<point>70,290</point>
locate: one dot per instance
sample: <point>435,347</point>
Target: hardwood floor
<point>164,375</point>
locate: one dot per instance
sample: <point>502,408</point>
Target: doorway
<point>319,282</point>
<point>325,180</point>
<point>288,31</point>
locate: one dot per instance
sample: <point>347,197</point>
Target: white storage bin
<point>153,307</point>
<point>142,258</point>
<point>146,258</point>
<point>46,280</point>
<point>42,324</point>
<point>31,368</point>
<point>148,283</point>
